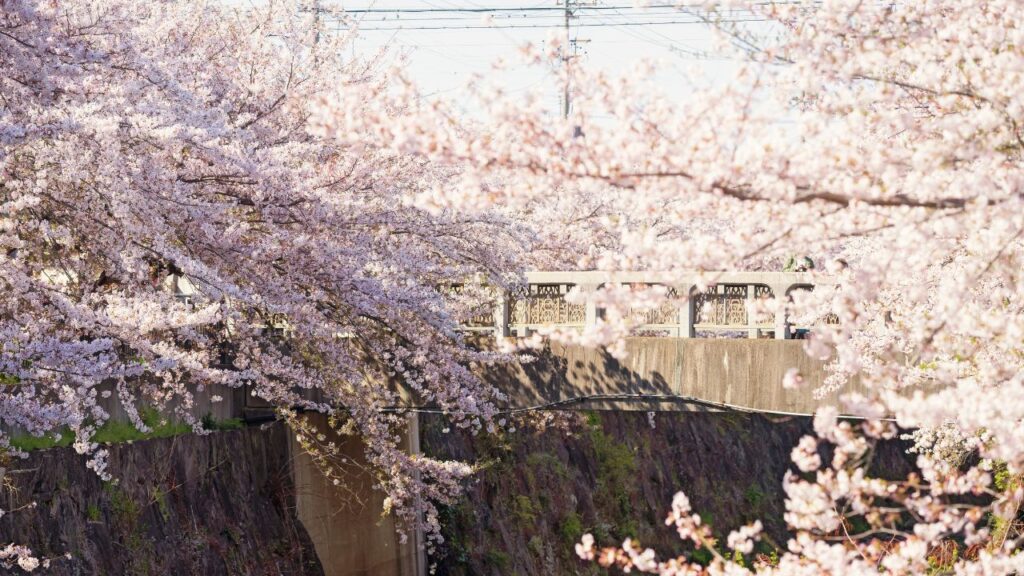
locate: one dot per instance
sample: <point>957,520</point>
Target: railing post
<point>419,549</point>
<point>687,311</point>
<point>501,320</point>
<point>590,311</point>
<point>781,322</point>
<point>752,331</point>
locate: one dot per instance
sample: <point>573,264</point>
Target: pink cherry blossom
<point>169,222</point>
<point>884,141</point>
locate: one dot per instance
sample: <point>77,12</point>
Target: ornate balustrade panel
<point>663,320</point>
<point>731,306</point>
<point>736,304</point>
<point>734,307</point>
<point>538,305</point>
<point>722,305</point>
<point>762,317</point>
<point>827,320</point>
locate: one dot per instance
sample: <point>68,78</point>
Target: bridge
<point>727,303</point>
<point>710,345</point>
<point>707,348</point>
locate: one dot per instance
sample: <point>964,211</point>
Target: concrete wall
<point>209,505</point>
<point>345,525</point>
<point>742,372</point>
<point>349,533</point>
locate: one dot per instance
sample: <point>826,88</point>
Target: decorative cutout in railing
<point>544,305</point>
<point>665,320</point>
<point>722,305</point>
<point>665,315</point>
<point>733,306</point>
<point>762,316</point>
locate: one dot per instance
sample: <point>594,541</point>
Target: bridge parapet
<point>696,304</point>
<point>674,374</point>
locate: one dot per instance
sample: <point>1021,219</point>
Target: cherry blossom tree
<point>148,146</point>
<point>154,149</point>
<point>884,139</point>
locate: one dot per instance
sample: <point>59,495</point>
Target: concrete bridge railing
<point>696,304</point>
<point>728,304</point>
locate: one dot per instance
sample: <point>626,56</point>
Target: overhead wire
<point>560,9</point>
<point>631,19</point>
<point>510,16</point>
<point>580,24</point>
<point>426,18</point>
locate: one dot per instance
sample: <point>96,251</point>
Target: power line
<point>476,9</point>
<point>512,17</point>
<point>639,34</point>
<point>517,41</point>
<point>582,24</point>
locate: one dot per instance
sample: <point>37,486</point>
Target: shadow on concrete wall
<point>562,373</point>
<point>671,371</point>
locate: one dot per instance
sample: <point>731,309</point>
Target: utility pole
<point>569,7</point>
<point>565,59</point>
<point>316,20</point>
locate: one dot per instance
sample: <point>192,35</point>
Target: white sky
<point>445,48</point>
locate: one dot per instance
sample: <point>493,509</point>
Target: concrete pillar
<point>519,332</point>
<point>590,315</point>
<point>687,311</point>
<point>415,564</point>
<point>349,534</point>
<point>751,305</point>
<point>781,322</point>
<point>501,319</point>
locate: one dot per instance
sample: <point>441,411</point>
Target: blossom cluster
<point>881,139</point>
<point>144,147</point>
<point>169,223</point>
